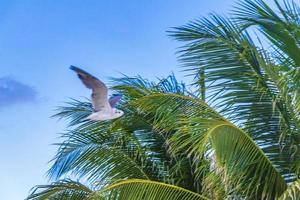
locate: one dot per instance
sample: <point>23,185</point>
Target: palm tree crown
<point>236,137</point>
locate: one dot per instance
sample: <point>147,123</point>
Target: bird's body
<point>102,116</point>
<point>104,107</point>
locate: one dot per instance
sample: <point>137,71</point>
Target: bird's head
<point>118,113</point>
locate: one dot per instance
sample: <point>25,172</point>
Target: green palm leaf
<point>292,192</point>
<point>130,137</point>
<point>235,137</point>
<point>281,29</point>
<point>63,190</point>
<point>200,130</point>
<point>146,190</point>
<point>241,86</point>
<point>236,84</point>
<point>96,162</point>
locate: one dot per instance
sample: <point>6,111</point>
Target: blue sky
<point>40,39</point>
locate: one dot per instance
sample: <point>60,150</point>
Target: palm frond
<point>129,139</point>
<point>85,147</point>
<point>235,80</point>
<point>63,189</point>
<point>240,85</point>
<point>146,190</point>
<point>200,130</point>
<point>281,29</point>
<point>292,192</point>
<point>96,162</point>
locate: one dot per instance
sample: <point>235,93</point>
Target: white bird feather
<point>104,108</point>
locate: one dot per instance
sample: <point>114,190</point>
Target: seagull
<point>104,109</point>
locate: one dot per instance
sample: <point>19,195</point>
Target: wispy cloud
<point>14,92</point>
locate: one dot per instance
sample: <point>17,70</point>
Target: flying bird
<point>104,108</point>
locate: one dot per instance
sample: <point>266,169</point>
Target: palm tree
<point>234,135</point>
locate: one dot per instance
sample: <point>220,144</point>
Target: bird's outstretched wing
<point>113,100</point>
<point>99,94</point>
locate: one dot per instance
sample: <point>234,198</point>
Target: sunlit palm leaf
<point>146,190</point>
<point>292,192</point>
<point>240,86</point>
<point>200,128</point>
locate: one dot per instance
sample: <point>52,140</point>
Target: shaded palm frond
<point>96,162</point>
<point>85,147</point>
<point>236,83</point>
<point>63,190</point>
